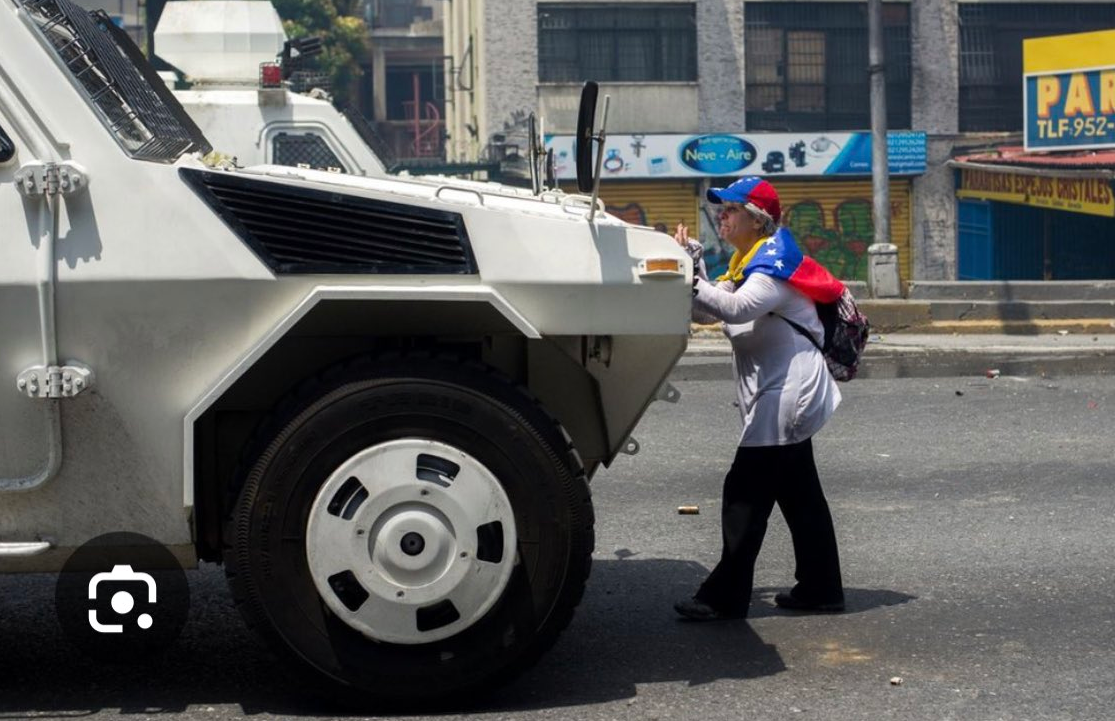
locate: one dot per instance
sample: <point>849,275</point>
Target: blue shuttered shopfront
<point>1008,239</point>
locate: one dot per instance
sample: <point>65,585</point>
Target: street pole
<point>882,268</point>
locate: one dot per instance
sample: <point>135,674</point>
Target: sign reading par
<point>1069,91</point>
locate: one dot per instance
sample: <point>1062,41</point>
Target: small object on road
<point>1062,332</point>
<point>896,681</point>
<point>689,510</point>
<point>1092,405</point>
<point>960,393</point>
<point>992,372</point>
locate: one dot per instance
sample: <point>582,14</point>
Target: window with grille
<point>807,65</point>
<point>133,103</point>
<point>304,149</point>
<point>991,54</point>
<point>415,86</point>
<point>631,42</point>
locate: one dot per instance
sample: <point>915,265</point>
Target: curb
<point>709,359</point>
<point>917,318</point>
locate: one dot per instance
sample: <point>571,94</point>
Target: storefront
<point>1025,216</point>
<point>1025,213</point>
<point>831,220</point>
<point>659,204</point>
<point>823,181</point>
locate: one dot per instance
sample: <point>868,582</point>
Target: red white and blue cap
<point>749,190</point>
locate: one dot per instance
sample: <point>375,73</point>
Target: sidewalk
<point>1015,308</point>
<point>924,355</point>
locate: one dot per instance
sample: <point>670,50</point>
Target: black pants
<point>760,477</point>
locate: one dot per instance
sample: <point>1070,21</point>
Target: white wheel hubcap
<point>411,541</point>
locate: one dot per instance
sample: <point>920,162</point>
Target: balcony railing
<point>409,139</point>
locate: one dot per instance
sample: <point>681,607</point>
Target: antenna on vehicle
<point>587,177</point>
<point>550,172</point>
<point>542,176</point>
<point>532,155</point>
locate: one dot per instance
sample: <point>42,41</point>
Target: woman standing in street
<point>786,394</point>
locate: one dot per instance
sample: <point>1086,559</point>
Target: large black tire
<point>372,402</point>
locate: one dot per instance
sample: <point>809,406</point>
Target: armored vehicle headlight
<point>661,266</point>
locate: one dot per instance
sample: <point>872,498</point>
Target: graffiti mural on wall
<point>838,239</point>
<point>836,234</point>
<point>637,214</point>
<point>717,252</point>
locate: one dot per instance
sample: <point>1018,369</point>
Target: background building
<point>404,84</point>
<point>677,70</point>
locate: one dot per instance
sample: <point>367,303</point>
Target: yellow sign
<point>1058,53</point>
<point>1076,195</point>
<point>1069,91</point>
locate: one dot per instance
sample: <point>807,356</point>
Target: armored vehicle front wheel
<point>413,530</point>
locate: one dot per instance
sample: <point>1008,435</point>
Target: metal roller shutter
<point>651,203</point>
<point>831,220</point>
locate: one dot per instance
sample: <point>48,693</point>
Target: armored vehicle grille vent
<point>132,101</point>
<point>294,229</point>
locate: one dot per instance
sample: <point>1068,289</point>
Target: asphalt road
<point>976,520</point>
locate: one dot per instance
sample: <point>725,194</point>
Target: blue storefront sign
<point>726,154</point>
<point>717,154</point>
<point>905,155</point>
<point>1069,91</point>
<point>1071,110</point>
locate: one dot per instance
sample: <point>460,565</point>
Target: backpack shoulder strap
<point>801,330</point>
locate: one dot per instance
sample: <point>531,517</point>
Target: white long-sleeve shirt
<point>785,390</point>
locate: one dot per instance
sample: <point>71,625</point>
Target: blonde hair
<point>770,225</point>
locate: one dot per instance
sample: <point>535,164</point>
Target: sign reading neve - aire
<point>1069,91</point>
<point>724,154</point>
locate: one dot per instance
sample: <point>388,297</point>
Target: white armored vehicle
<point>226,50</point>
<point>377,401</point>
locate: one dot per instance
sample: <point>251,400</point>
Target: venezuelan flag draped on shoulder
<point>779,257</point>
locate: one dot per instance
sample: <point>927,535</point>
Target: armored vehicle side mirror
<point>588,173</point>
<point>586,116</point>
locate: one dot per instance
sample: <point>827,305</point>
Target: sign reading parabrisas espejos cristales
<point>1069,91</point>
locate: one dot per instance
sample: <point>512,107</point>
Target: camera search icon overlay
<point>122,597</point>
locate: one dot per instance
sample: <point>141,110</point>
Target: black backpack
<point>846,330</point>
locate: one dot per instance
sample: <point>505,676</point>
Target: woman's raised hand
<point>681,235</point>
